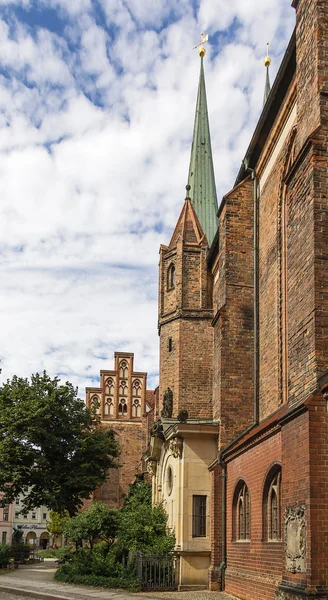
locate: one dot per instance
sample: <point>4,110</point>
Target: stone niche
<point>295,538</point>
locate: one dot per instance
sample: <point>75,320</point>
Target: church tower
<point>185,283</point>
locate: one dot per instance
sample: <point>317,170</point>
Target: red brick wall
<point>253,568</point>
<point>233,330</point>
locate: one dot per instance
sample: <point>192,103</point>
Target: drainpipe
<point>256,397</point>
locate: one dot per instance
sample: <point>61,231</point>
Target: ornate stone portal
<point>295,538</point>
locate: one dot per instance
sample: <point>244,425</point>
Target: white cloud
<point>95,132</point>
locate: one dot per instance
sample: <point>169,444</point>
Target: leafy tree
<point>143,527</point>
<point>51,446</point>
<point>98,522</point>
<point>56,522</point>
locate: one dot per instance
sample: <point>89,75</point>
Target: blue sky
<point>97,101</point>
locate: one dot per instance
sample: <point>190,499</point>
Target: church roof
<point>201,171</point>
<point>188,227</point>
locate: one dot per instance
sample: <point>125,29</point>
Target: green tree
<point>51,446</point>
<point>143,527</point>
<point>56,522</point>
<point>98,522</point>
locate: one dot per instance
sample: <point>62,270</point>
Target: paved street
<point>36,582</point>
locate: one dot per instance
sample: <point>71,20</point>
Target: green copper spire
<point>201,171</point>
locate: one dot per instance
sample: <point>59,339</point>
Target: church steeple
<point>267,88</point>
<point>201,171</point>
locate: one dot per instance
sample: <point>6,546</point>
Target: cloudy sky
<point>97,101</point>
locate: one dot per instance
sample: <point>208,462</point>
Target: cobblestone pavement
<point>36,582</point>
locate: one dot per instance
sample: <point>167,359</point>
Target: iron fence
<point>157,572</point>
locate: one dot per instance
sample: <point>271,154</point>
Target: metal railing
<point>157,572</point>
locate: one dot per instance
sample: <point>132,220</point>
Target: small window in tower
<point>199,516</point>
<point>170,344</point>
<point>170,283</point>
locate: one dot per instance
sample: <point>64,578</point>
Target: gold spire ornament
<point>203,40</point>
<point>267,60</point>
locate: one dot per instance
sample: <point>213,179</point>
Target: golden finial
<point>202,50</point>
<point>267,60</point>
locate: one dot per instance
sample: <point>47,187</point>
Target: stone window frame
<point>170,277</point>
<point>242,513</point>
<point>199,502</point>
<point>122,407</point>
<point>272,527</point>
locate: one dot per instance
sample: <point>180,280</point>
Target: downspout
<point>256,363</point>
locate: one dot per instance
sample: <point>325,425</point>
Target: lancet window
<point>109,386</point>
<point>136,408</point>
<point>123,369</point>
<point>137,388</point>
<point>122,407</point>
<point>272,505</point>
<point>170,278</point>
<point>123,389</point>
<point>242,512</point>
<point>109,407</point>
<point>95,403</point>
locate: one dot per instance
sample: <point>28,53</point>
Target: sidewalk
<point>36,581</point>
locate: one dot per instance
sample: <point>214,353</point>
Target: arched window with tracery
<point>95,403</point>
<point>241,513</point>
<point>109,386</point>
<point>137,388</point>
<point>272,505</point>
<point>123,389</point>
<point>170,277</point>
<point>123,369</point>
<point>122,407</point>
<point>136,408</point>
<point>109,407</point>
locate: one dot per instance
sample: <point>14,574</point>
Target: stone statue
<point>176,447</point>
<point>167,404</point>
<point>183,415</point>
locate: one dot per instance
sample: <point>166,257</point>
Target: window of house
<point>170,345</point>
<point>122,407</point>
<point>25,516</point>
<point>33,516</point>
<point>6,513</point>
<point>44,516</point>
<point>17,501</point>
<point>272,505</point>
<point>242,512</point>
<point>199,516</point>
<point>4,537</point>
<point>16,515</point>
<point>170,280</point>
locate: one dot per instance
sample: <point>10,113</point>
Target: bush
<point>93,567</point>
<point>58,553</point>
<point>4,555</point>
<point>19,552</point>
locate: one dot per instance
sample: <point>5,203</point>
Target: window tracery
<point>242,512</point>
<point>123,389</point>
<point>122,407</point>
<point>109,386</point>
<point>272,505</point>
<point>136,408</point>
<point>123,369</point>
<point>109,407</point>
<point>137,388</point>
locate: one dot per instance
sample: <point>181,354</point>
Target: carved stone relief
<point>295,539</point>
<point>151,467</point>
<point>176,447</point>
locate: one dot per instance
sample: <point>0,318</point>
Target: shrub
<point>57,553</point>
<point>19,552</point>
<point>4,555</point>
<point>97,572</point>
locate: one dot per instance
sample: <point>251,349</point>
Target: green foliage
<point>17,536</point>
<point>143,527</point>
<point>51,444</point>
<point>19,552</point>
<point>64,553</point>
<point>56,522</point>
<point>4,555</point>
<point>98,522</point>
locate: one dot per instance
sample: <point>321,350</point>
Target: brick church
<point>239,455</point>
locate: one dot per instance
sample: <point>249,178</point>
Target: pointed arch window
<point>170,277</point>
<point>137,388</point>
<point>123,389</point>
<point>272,505</point>
<point>109,386</point>
<point>95,403</point>
<point>136,408</point>
<point>123,369</point>
<point>241,513</point>
<point>122,407</point>
<point>109,407</point>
